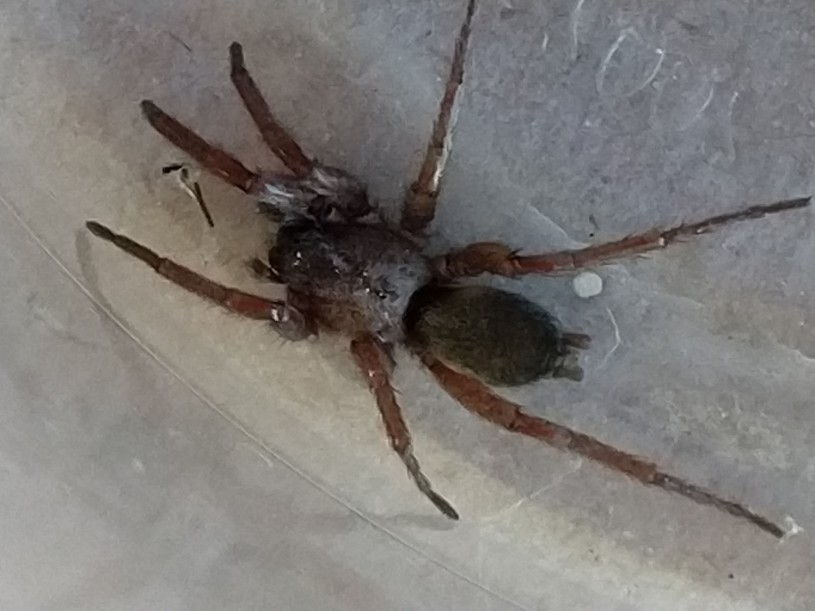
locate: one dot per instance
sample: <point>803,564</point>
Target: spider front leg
<point>373,360</point>
<point>274,134</point>
<point>419,206</point>
<point>219,162</point>
<point>497,258</point>
<point>287,320</point>
<point>478,398</point>
<point>213,159</point>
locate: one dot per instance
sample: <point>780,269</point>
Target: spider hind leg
<point>481,400</point>
<point>375,361</point>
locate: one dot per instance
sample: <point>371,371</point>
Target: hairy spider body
<point>348,271</point>
<point>364,277</point>
<point>360,276</point>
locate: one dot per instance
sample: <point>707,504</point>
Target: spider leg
<point>375,362</point>
<point>419,206</point>
<point>215,160</point>
<point>288,321</point>
<point>478,398</point>
<point>496,258</point>
<point>275,136</point>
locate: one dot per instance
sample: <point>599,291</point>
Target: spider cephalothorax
<point>349,272</point>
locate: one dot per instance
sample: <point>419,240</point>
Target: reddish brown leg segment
<point>496,258</point>
<point>213,159</point>
<point>288,321</point>
<point>374,361</point>
<point>420,204</point>
<point>276,137</point>
<point>478,398</point>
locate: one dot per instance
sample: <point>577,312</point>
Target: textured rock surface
<point>156,453</point>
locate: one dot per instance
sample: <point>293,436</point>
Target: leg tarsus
<point>374,361</point>
<point>497,258</point>
<point>284,318</point>
<point>275,136</point>
<point>478,398</point>
<point>213,159</point>
<point>419,207</point>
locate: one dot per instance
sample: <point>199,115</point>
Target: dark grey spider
<point>347,271</point>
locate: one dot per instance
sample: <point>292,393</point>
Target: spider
<point>348,271</point>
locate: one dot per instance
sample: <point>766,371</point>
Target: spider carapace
<point>348,271</point>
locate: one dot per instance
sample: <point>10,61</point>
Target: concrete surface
<point>156,453</point>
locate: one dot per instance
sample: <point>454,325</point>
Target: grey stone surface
<point>156,453</point>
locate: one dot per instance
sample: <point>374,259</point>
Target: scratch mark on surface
<point>44,315</point>
<point>618,340</point>
<point>615,47</point>
<point>501,513</point>
<point>578,464</point>
<point>702,109</point>
<point>545,42</point>
<point>179,41</point>
<point>612,50</point>
<point>263,455</point>
<point>653,74</point>
<point>575,19</point>
<point>731,141</point>
<point>572,243</point>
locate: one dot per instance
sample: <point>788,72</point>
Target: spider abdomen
<point>501,337</point>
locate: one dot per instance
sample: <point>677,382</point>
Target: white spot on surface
<point>793,528</point>
<point>587,284</point>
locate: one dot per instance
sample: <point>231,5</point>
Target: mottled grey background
<point>156,453</point>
